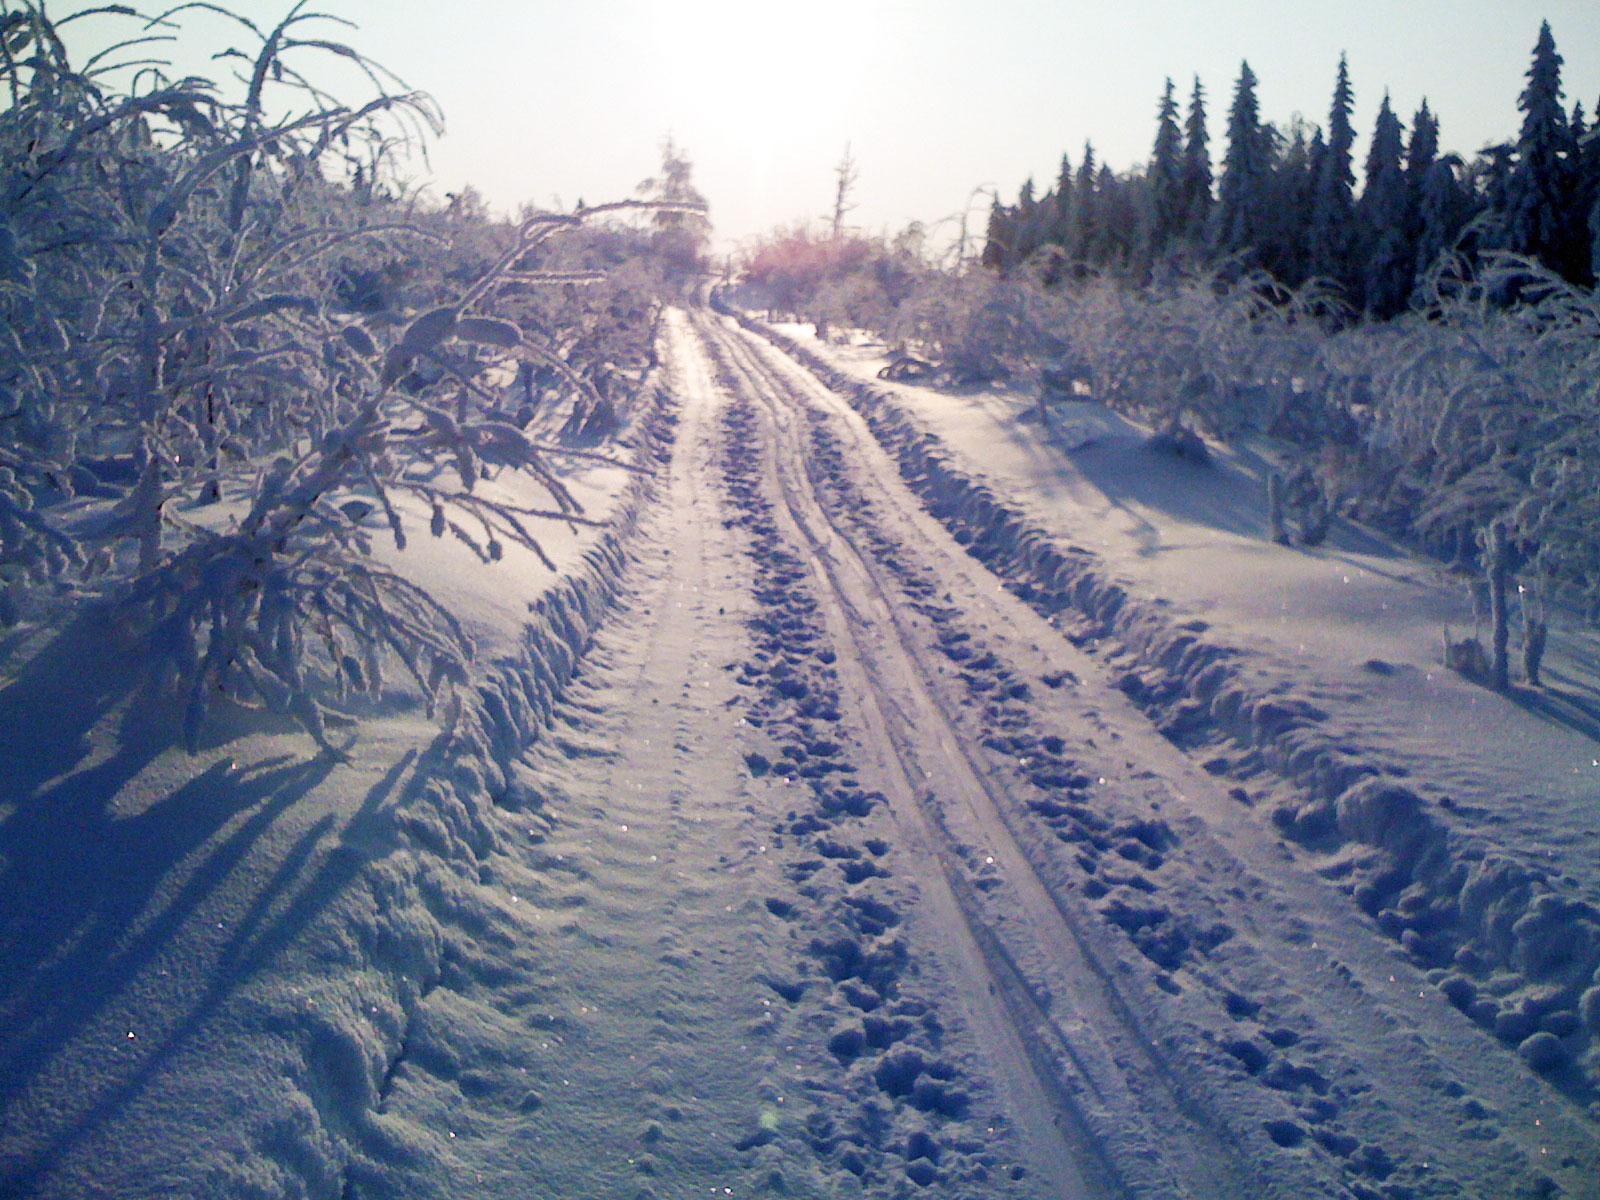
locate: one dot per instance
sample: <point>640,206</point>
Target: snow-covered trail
<point>839,870</point>
<point>1152,994</point>
<point>844,872</point>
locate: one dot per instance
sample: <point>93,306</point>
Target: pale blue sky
<point>545,100</point>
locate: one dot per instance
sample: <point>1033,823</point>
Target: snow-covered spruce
<point>1459,908</point>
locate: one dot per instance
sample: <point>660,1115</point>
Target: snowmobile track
<point>912,723</point>
<point>1325,1081</point>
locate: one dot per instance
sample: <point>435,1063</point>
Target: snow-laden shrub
<point>979,327</point>
<point>219,360</point>
<point>1491,408</point>
<point>1230,354</point>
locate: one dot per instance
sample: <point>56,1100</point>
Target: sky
<point>551,102</point>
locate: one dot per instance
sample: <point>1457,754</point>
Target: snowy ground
<point>893,803</point>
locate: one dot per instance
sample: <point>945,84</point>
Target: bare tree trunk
<point>1534,636</point>
<point>846,171</point>
<point>1279,532</point>
<point>1497,567</point>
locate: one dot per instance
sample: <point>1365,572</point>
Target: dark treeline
<point>1284,199</point>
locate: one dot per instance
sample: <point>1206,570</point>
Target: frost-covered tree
<point>1165,177</point>
<point>1116,223</point>
<point>1443,210</point>
<point>1586,203</point>
<point>1331,231</point>
<point>681,228</point>
<point>1387,271</point>
<point>1422,151</point>
<point>204,433</point>
<point>1283,245</point>
<point>1539,216</point>
<point>1195,211</point>
<point>1240,218</point>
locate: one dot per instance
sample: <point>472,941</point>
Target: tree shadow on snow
<point>91,897</point>
<point>1228,495</point>
<point>95,911</point>
<point>1568,706</point>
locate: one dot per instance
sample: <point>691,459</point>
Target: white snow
<point>783,849</point>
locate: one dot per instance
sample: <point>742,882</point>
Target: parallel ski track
<point>1072,1045</point>
<point>1139,1102</point>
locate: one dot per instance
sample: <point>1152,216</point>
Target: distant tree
<point>1028,224</point>
<point>679,238</point>
<point>1386,280</point>
<point>1116,221</point>
<point>1195,211</point>
<point>998,252</point>
<point>1423,148</point>
<point>1283,246</point>
<point>1165,177</point>
<point>1331,232</point>
<point>1422,151</point>
<point>1487,182</point>
<point>1240,216</point>
<point>844,187</point>
<point>1540,190</point>
<point>1586,189</point>
<point>1085,206</point>
<point>1443,209</point>
<point>1061,219</point>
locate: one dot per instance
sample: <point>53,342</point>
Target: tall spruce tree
<point>997,242</point>
<point>1165,179</point>
<point>1195,213</point>
<point>1444,207</point>
<point>1331,227</point>
<point>1115,222</point>
<point>1586,193</point>
<point>1085,209</point>
<point>1386,280</point>
<point>1283,246</point>
<point>1423,148</point>
<point>1061,225</point>
<point>1239,220</point>
<point>1539,192</point>
<point>1029,232</point>
<point>1422,151</point>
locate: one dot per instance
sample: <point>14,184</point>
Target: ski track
<point>1259,1037</point>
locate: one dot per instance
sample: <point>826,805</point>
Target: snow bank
<point>446,818</point>
<point>216,966</point>
<point>1506,941</point>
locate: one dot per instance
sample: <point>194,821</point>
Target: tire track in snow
<point>1178,1149</point>
<point>1400,1110</point>
<point>1483,924</point>
<point>889,1039</point>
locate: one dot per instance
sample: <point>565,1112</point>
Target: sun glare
<point>753,68</point>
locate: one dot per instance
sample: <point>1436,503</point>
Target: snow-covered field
<point>899,799</point>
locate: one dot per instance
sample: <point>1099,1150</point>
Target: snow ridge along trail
<point>1156,997</point>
